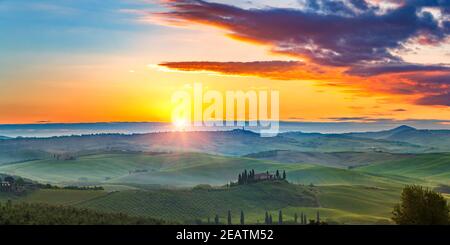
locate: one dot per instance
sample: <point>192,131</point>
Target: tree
<point>318,216</point>
<point>280,218</point>
<point>251,176</point>
<point>284,174</point>
<point>240,179</point>
<point>295,218</point>
<point>245,176</point>
<point>20,182</point>
<point>277,175</point>
<point>419,206</point>
<point>216,219</point>
<point>242,217</point>
<point>9,179</point>
<point>266,219</point>
<point>229,217</point>
<point>270,219</point>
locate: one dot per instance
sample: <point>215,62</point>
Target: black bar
<point>161,234</point>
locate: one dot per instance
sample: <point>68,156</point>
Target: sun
<point>180,124</point>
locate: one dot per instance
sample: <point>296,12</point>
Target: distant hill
<point>331,159</point>
<point>437,140</point>
<point>4,137</point>
<point>231,143</point>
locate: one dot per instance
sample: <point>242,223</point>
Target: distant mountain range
<point>436,139</point>
<point>236,142</point>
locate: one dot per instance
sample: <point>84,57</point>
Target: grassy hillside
<point>331,159</point>
<point>61,196</point>
<point>348,204</point>
<point>431,167</point>
<point>337,204</point>
<point>201,203</point>
<point>44,214</point>
<point>352,196</point>
<point>354,201</point>
<point>177,169</point>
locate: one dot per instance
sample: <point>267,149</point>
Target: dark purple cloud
<point>338,33</point>
<point>350,39</point>
<point>373,70</point>
<point>438,99</point>
<point>344,119</point>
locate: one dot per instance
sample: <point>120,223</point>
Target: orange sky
<point>128,85</point>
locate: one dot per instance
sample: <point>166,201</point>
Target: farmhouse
<point>263,176</point>
<point>5,186</point>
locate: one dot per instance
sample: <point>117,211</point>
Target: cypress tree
<point>284,174</point>
<point>277,175</point>
<point>318,216</point>
<point>295,218</point>
<point>229,217</point>
<point>240,179</point>
<point>270,219</point>
<point>280,218</point>
<point>216,219</point>
<point>266,219</point>
<point>245,177</point>
<point>242,217</point>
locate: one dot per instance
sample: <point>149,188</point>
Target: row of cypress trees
<point>268,218</point>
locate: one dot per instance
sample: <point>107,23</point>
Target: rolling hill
<point>178,169</point>
<point>201,203</point>
<point>331,159</point>
<point>432,167</point>
<point>350,178</point>
<point>337,204</point>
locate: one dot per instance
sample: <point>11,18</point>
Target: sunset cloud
<point>338,33</point>
<point>279,70</point>
<point>343,43</point>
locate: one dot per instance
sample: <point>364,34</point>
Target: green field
<point>343,159</point>
<point>337,204</point>
<point>433,167</point>
<point>159,185</point>
<point>180,170</point>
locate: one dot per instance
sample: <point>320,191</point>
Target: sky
<point>121,60</point>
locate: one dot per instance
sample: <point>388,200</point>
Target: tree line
<point>247,177</point>
<point>269,221</point>
<point>44,214</point>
